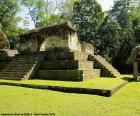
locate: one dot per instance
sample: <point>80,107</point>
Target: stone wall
<point>86,47</point>
<point>5,57</point>
<point>57,36</point>
<point>29,46</point>
<point>76,45</point>
<point>73,42</point>
<point>70,42</point>
<point>54,42</point>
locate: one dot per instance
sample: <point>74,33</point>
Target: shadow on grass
<point>130,79</point>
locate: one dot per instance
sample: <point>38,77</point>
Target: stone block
<point>67,64</point>
<point>67,75</point>
<point>60,55</point>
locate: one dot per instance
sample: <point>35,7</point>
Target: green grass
<point>26,100</point>
<point>96,83</point>
<point>126,102</point>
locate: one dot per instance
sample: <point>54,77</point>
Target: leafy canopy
<point>87,16</point>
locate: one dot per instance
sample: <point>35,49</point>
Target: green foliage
<point>109,38</point>
<point>67,9</point>
<point>53,19</point>
<point>113,36</point>
<point>44,12</point>
<point>87,16</point>
<point>129,20</point>
<point>119,12</point>
<point>127,44</point>
<point>36,10</point>
<point>8,9</point>
<point>8,19</point>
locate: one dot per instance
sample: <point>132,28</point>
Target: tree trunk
<point>135,71</point>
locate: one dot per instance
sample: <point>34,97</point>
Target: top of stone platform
<point>48,31</point>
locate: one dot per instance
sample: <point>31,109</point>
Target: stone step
<point>3,65</point>
<point>12,74</point>
<point>67,75</point>
<point>67,64</point>
<point>36,56</point>
<point>95,72</point>
<point>8,72</point>
<point>76,55</point>
<point>20,65</point>
<point>15,70</point>
<point>27,56</point>
<point>10,78</point>
<point>23,62</point>
<point>92,74</point>
<point>20,69</point>
<point>106,68</point>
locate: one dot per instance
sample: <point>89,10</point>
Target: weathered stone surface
<point>60,54</point>
<point>107,70</point>
<point>7,54</point>
<point>63,64</point>
<point>28,47</point>
<point>67,65</point>
<point>21,67</point>
<point>3,64</point>
<point>67,75</point>
<point>135,55</point>
<point>4,43</point>
<point>87,47</point>
<point>134,58</point>
<point>46,37</point>
<point>57,36</point>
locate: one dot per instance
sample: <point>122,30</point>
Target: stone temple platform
<point>55,53</point>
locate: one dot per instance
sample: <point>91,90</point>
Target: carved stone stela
<point>134,58</point>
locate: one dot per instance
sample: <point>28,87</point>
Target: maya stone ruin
<point>134,59</point>
<point>55,53</point>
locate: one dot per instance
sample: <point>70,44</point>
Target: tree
<point>53,11</point>
<point>37,11</point>
<point>129,20</point>
<point>87,16</point>
<point>67,9</point>
<point>109,38</point>
<point>128,42</point>
<point>120,11</point>
<point>124,12</point>
<point>44,12</point>
<point>8,19</point>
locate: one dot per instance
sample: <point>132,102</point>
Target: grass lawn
<point>26,100</point>
<point>96,83</point>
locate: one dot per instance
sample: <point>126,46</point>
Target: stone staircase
<point>21,67</point>
<point>67,66</point>
<point>58,65</point>
<point>107,70</point>
<point>4,60</point>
